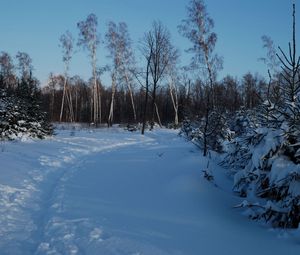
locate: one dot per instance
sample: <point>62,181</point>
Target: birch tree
<point>127,64</point>
<point>66,43</point>
<point>198,29</point>
<point>7,70</point>
<point>89,39</point>
<point>24,64</point>
<point>115,49</point>
<point>273,64</point>
<point>27,85</point>
<point>119,46</point>
<point>173,79</point>
<point>52,88</point>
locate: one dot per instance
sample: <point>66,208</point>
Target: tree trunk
<point>205,134</point>
<point>146,96</point>
<point>92,104</point>
<point>111,111</point>
<point>63,100</point>
<point>153,106</point>
<point>205,146</point>
<point>174,98</point>
<point>96,92</point>
<point>131,96</point>
<point>76,104</point>
<point>157,114</point>
<point>52,104</point>
<point>99,103</point>
<point>70,104</point>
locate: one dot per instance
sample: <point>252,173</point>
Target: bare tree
<point>147,84</point>
<point>127,63</point>
<point>198,29</point>
<point>89,39</point>
<point>77,90</point>
<point>271,59</point>
<point>157,42</point>
<point>273,64</point>
<point>173,80</point>
<point>52,89</point>
<point>6,64</point>
<point>7,70</point>
<point>66,43</point>
<point>27,84</point>
<point>24,64</point>
<point>250,90</point>
<point>119,45</point>
<point>232,99</point>
<point>114,46</point>
<point>147,46</point>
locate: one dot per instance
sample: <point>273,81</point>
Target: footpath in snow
<point>109,191</point>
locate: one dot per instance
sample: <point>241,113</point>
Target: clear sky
<point>34,26</point>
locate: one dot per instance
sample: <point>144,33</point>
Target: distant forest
<point>155,90</point>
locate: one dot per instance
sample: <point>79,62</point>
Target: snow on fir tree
<point>265,161</point>
<point>20,111</point>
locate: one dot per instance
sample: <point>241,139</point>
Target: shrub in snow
<point>20,117</point>
<point>264,163</point>
<point>242,125</point>
<point>242,122</point>
<point>209,132</point>
<point>132,127</point>
<point>187,128</point>
<point>264,159</point>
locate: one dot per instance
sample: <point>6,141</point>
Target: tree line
<point>230,95</point>
<point>154,90</point>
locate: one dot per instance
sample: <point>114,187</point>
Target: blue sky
<point>34,26</point>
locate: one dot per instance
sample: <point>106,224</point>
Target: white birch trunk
<point>131,95</point>
<point>174,98</point>
<point>157,114</point>
<point>113,91</point>
<point>64,93</point>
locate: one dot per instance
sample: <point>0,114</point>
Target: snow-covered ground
<point>109,191</point>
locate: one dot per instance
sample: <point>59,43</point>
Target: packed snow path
<point>115,192</point>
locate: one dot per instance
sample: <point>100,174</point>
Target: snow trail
<point>114,192</point>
